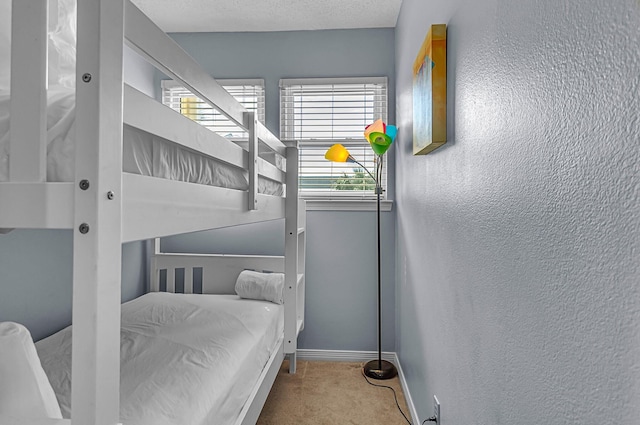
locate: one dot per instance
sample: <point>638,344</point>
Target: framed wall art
<point>430,92</point>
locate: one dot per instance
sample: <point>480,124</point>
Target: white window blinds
<point>250,93</point>
<point>321,112</point>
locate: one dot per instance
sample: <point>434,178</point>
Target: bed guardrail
<point>143,35</point>
<point>27,162</point>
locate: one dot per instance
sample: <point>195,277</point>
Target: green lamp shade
<point>380,142</point>
<point>338,153</point>
<point>380,136</point>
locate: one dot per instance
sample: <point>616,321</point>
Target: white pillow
<point>25,391</point>
<point>260,286</point>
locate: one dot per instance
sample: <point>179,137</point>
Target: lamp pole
<point>379,369</point>
<point>380,136</point>
<point>378,193</point>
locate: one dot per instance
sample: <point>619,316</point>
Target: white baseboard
<point>407,395</point>
<point>362,356</point>
<point>344,356</point>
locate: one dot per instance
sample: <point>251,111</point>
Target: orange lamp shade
<point>380,136</point>
<point>338,153</point>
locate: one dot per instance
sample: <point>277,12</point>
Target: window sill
<point>347,205</point>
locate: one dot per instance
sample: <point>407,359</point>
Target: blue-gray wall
<point>341,245</point>
<point>36,278</point>
<point>36,265</point>
<point>519,240</point>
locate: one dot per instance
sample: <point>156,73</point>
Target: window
<point>250,93</point>
<point>321,112</point>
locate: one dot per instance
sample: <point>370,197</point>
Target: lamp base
<point>382,369</point>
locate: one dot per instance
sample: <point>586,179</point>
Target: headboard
<point>206,273</point>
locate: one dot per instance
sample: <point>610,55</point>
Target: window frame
<point>323,199</point>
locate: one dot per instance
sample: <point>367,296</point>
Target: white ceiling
<point>269,15</point>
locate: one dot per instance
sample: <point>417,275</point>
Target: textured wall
<point>518,298</point>
<point>36,278</point>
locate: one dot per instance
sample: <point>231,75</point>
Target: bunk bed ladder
<point>251,123</point>
<point>291,256</point>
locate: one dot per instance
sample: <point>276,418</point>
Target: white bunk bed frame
<point>106,207</point>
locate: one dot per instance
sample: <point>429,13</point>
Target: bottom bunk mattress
<point>187,359</point>
<point>143,153</point>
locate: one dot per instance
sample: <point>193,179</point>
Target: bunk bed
<point>105,206</point>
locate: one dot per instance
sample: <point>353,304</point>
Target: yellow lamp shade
<point>338,153</point>
<point>189,107</point>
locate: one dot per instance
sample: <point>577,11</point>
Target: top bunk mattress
<point>143,153</point>
<point>185,358</point>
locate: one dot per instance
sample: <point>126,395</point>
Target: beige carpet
<point>327,393</point>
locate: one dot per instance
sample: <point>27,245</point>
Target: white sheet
<point>143,153</point>
<point>186,359</point>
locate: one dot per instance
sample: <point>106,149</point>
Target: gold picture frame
<point>430,92</point>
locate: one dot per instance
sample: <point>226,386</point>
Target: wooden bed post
<point>251,123</point>
<point>28,150</point>
<point>154,277</point>
<point>291,257</point>
<point>98,214</point>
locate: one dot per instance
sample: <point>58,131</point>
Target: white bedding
<point>143,153</point>
<point>186,359</point>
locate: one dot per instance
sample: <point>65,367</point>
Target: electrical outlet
<point>436,409</point>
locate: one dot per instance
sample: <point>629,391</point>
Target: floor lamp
<point>380,136</point>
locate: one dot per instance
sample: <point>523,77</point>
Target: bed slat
<point>188,281</point>
<point>270,139</point>
<point>37,205</point>
<point>140,111</point>
<point>28,121</point>
<point>270,171</point>
<point>157,207</point>
<point>251,123</point>
<point>171,280</point>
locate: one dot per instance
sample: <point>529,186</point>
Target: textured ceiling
<point>269,15</point>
